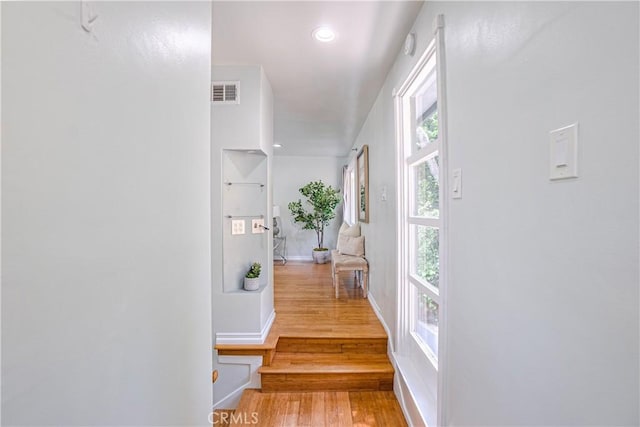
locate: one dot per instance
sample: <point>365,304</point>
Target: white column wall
<point>106,294</point>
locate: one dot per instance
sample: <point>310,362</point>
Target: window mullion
<point>427,151</point>
<point>424,286</point>
<point>427,222</point>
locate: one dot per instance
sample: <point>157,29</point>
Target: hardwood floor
<point>317,409</point>
<point>324,362</point>
<point>305,304</point>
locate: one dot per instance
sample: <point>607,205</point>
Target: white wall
<point>289,174</point>
<point>543,292</point>
<point>242,129</point>
<point>0,211</point>
<point>106,308</point>
<point>241,151</point>
<point>238,126</point>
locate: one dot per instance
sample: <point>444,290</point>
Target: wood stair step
<point>328,362</point>
<point>331,345</point>
<point>267,350</point>
<point>327,371</point>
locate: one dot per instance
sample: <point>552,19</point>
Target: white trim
<point>438,23</point>
<point>401,228</point>
<point>445,198</point>
<point>415,72</point>
<point>421,395</point>
<point>417,394</point>
<point>247,337</point>
<point>424,221</point>
<point>407,400</point>
<point>378,313</point>
<point>408,406</point>
<point>422,285</point>
<point>254,362</point>
<point>299,258</point>
<point>425,154</point>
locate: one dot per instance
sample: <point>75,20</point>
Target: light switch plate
<point>257,226</point>
<point>456,184</point>
<point>237,226</point>
<point>563,153</point>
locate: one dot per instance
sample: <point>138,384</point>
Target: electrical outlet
<point>257,226</point>
<point>237,226</point>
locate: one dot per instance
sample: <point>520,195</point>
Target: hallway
<point>330,365</point>
<point>133,200</point>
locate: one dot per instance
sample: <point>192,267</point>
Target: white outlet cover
<point>257,226</point>
<point>237,226</point>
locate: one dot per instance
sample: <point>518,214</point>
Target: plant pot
<point>321,257</point>
<point>251,283</point>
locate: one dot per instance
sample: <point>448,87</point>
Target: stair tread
<point>328,363</point>
<point>332,339</point>
<point>332,333</point>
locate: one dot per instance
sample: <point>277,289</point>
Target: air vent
<point>225,92</point>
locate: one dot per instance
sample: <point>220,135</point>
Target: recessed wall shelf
<point>244,183</point>
<point>244,216</point>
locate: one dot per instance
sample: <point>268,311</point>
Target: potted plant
<point>323,200</point>
<point>252,278</point>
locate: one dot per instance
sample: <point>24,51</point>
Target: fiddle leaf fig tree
<point>322,201</point>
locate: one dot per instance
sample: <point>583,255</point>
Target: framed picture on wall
<point>363,184</point>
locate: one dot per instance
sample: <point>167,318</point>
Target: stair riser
<point>327,382</point>
<point>331,345</point>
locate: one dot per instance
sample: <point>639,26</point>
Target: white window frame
<point>409,284</point>
<point>349,179</point>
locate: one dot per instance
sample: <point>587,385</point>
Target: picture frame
<point>362,166</point>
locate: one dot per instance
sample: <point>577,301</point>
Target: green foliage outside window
<point>427,202</point>
<point>428,262</point>
<point>430,126</point>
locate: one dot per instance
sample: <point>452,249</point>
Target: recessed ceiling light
<point>323,34</point>
<point>276,145</point>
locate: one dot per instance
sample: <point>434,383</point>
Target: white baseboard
<point>406,397</point>
<point>299,258</point>
<point>418,405</point>
<point>407,400</point>
<point>247,337</point>
<point>378,312</point>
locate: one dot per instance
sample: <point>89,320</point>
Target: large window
<point>422,168</point>
<point>422,187</point>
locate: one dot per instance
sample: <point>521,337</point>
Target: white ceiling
<point>322,92</point>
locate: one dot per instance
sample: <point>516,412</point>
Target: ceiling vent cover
<point>225,92</point>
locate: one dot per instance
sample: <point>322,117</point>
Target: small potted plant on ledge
<point>252,278</point>
<point>323,200</point>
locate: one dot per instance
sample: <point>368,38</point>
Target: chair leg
<point>333,275</point>
<point>336,283</point>
<point>365,283</point>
